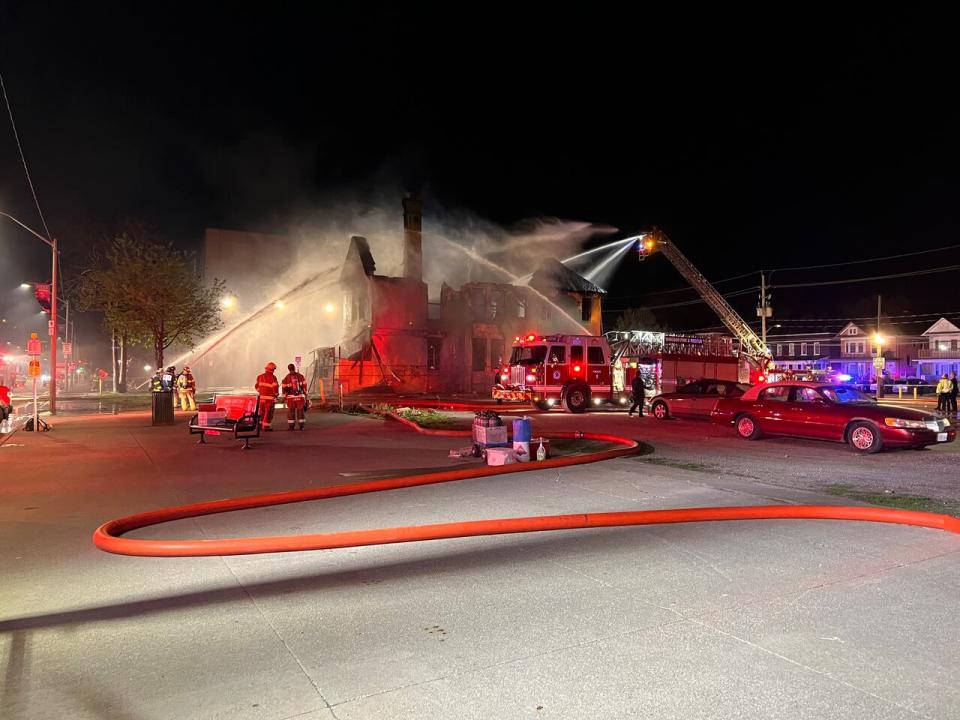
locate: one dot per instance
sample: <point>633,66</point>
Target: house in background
<point>940,351</point>
<point>804,351</point>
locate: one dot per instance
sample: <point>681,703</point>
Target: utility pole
<point>764,311</point>
<point>53,331</point>
<point>878,361</point>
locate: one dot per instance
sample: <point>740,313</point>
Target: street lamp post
<point>53,309</point>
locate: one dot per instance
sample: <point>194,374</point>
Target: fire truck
<point>578,372</point>
<point>581,371</point>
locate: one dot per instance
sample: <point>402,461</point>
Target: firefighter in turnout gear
<point>187,389</point>
<point>295,397</point>
<point>267,388</point>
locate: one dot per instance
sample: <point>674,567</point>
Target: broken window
<point>479,354</point>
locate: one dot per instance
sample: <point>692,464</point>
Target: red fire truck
<point>578,372</point>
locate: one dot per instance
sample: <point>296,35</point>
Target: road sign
<point>50,328</point>
<point>67,349</point>
<point>33,369</point>
<point>879,363</point>
<point>33,345</point>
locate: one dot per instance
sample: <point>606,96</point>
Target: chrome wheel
<point>660,411</point>
<point>746,427</point>
<point>862,438</point>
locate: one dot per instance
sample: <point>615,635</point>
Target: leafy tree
<point>150,292</point>
<point>638,319</point>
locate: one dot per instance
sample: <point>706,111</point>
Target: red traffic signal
<point>42,294</point>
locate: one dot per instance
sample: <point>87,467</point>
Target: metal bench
<point>242,418</point>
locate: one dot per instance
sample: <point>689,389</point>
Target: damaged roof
<point>360,248</point>
<point>554,275</point>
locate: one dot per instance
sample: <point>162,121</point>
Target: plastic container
<point>500,456</point>
<point>521,438</point>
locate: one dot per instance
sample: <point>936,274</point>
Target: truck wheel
<point>660,410</point>
<point>577,398</point>
<point>864,437</point>
<point>747,427</point>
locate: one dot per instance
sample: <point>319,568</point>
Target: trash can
<point>162,407</point>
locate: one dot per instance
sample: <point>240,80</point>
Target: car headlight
<point>908,424</point>
<point>946,423</point>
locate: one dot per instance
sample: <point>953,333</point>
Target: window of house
<point>496,352</point>
<point>779,350</point>
<point>595,355</point>
<point>861,348</point>
<point>521,307</point>
<point>479,354</point>
<point>852,331</point>
<point>816,349</point>
<point>433,353</point>
<point>790,349</point>
<point>803,348</point>
<point>586,308</point>
<point>494,301</point>
<point>576,353</point>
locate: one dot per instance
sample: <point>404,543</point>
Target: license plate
<point>941,437</point>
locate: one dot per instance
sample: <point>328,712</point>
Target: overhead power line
<point>23,158</point>
<point>912,273</point>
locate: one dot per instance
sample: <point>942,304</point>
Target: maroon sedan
<point>830,412</point>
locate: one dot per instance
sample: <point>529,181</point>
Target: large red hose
<point>108,536</point>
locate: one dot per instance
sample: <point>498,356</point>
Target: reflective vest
<point>186,382</point>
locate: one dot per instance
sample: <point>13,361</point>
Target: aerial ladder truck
<point>752,346</point>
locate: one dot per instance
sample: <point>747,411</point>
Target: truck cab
<point>573,371</point>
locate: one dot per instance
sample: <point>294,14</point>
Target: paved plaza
<point>772,619</point>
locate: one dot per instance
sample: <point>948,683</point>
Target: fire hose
<point>109,536</point>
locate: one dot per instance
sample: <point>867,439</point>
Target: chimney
<point>412,238</point>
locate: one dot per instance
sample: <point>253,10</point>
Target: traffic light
<point>42,294</point>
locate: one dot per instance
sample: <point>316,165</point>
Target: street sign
<point>33,369</point>
<point>67,349</point>
<point>50,328</point>
<point>33,345</point>
<point>879,363</point>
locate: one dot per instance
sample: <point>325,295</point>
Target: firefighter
<point>6,406</point>
<point>187,389</point>
<point>267,388</point>
<point>295,397</point>
<point>156,382</point>
<point>638,386</point>
<point>169,379</point>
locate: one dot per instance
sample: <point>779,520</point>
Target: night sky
<point>754,141</point>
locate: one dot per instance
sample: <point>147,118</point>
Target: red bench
<point>242,418</point>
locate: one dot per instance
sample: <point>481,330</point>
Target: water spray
<point>473,255</point>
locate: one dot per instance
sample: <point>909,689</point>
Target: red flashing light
<point>761,379</point>
<point>531,378</point>
<point>576,368</point>
<point>531,337</point>
<point>506,369</point>
<point>517,339</point>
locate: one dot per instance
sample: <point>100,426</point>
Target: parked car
<point>830,412</point>
<point>695,399</point>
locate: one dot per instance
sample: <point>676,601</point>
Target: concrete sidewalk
<point>809,619</point>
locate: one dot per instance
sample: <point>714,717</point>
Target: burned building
<point>394,339</point>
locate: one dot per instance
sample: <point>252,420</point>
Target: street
<point>792,619</point>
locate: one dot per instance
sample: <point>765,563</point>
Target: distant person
<point>295,397</point>
<point>268,388</point>
<point>952,407</point>
<point>6,405</point>
<point>638,387</point>
<point>187,389</point>
<point>169,379</point>
<point>943,394</point>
